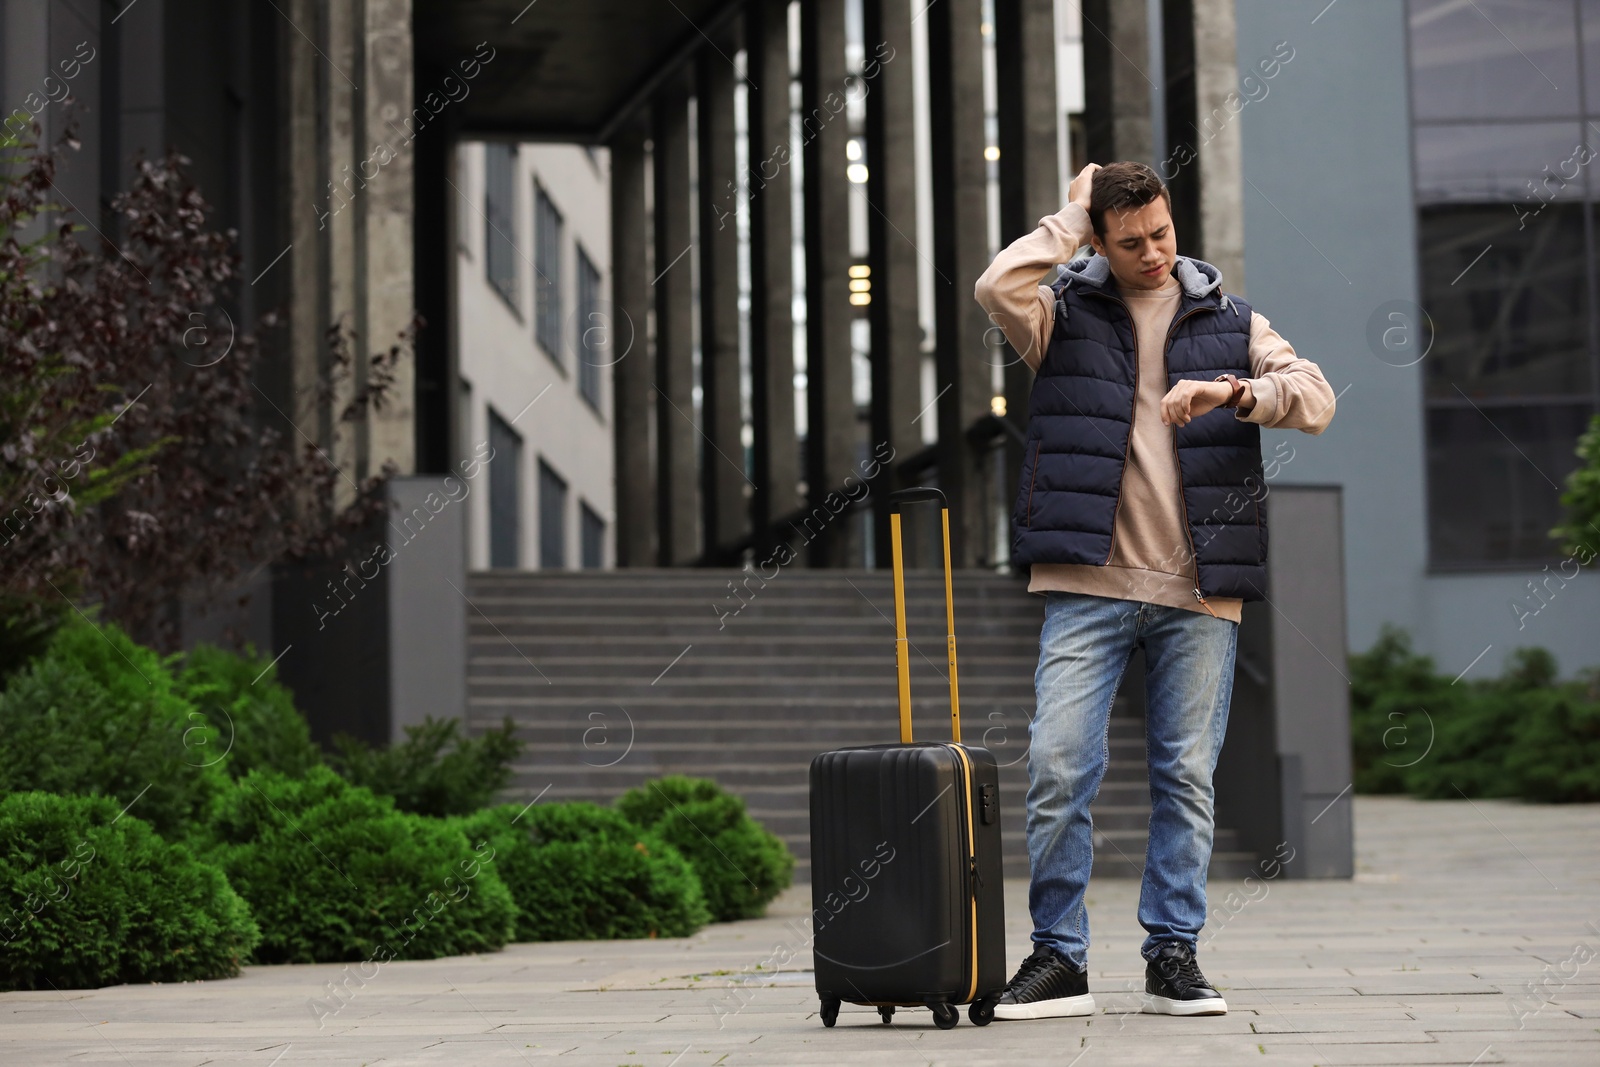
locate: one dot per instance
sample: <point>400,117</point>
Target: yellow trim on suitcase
<point>972,867</point>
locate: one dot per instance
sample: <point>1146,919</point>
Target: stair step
<point>613,678</point>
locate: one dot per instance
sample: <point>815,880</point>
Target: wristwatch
<point>1236,385</point>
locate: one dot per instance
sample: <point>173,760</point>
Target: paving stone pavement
<point>1470,935</point>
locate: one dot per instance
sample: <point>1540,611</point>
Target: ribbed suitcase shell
<point>903,899</point>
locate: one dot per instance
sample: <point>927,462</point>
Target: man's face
<point>1140,245</point>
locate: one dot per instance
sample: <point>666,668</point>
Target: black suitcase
<point>907,902</point>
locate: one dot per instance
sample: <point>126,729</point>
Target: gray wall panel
<point>1329,238</point>
<point>427,600</point>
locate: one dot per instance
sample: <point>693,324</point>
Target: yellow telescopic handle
<point>902,660</point>
<point>902,646</point>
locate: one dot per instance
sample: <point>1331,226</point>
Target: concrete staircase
<point>616,677</point>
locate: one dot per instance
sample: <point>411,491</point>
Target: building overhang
<point>562,70</point>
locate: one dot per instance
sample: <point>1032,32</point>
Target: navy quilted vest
<point>1081,410</point>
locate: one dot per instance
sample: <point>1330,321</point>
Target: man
<point>1141,511</point>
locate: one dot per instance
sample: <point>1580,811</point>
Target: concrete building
<point>533,265</point>
<point>798,199</point>
<point>1394,229</point>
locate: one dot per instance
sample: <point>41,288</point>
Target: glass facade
<point>591,332</point>
<point>505,497</point>
<point>499,213</point>
<point>547,231</point>
<point>1505,132</point>
<point>552,518</point>
<point>591,537</point>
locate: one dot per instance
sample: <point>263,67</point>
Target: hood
<point>1197,277</point>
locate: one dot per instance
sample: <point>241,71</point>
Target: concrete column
<point>387,285</point>
<point>960,254</point>
<point>676,434</point>
<point>433,378</point>
<point>1221,174</point>
<point>891,226</point>
<point>344,226</point>
<point>632,376</point>
<point>1030,181</point>
<point>831,433</point>
<point>36,41</point>
<point>776,449</point>
<point>1025,67</point>
<point>310,208</point>
<point>351,204</point>
<point>1132,82</point>
<point>1178,165</point>
<point>1117,80</point>
<point>722,485</point>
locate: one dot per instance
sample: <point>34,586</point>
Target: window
<point>499,210</point>
<point>552,518</point>
<point>1505,235</point>
<point>462,180</point>
<point>592,537</point>
<point>1493,59</point>
<point>505,502</point>
<point>547,274</point>
<point>592,331</point>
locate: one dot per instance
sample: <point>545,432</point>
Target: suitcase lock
<point>988,804</point>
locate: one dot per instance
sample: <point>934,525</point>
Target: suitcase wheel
<point>982,1011</point>
<point>830,1011</point>
<point>886,1012</point>
<point>945,1016</point>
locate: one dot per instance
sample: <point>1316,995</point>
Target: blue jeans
<point>1084,648</point>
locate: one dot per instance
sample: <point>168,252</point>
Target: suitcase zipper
<point>972,869</point>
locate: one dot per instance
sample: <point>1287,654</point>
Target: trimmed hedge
<point>99,714</point>
<point>88,898</point>
<point>335,873</point>
<point>423,777</point>
<point>582,872</point>
<point>1525,734</point>
<point>257,724</point>
<point>742,865</point>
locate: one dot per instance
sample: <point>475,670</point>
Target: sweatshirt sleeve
<point>1010,291</point>
<point>1290,392</point>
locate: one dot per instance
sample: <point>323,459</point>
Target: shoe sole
<point>1154,1005</point>
<point>1060,1008</point>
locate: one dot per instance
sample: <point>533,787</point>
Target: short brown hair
<point>1123,187</point>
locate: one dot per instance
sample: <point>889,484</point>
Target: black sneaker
<point>1045,987</point>
<point>1173,984</point>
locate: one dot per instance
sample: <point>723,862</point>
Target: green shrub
<point>257,724</point>
<point>582,872</point>
<point>423,778</point>
<point>742,865</point>
<point>90,899</point>
<point>1524,734</point>
<point>99,714</point>
<point>334,873</point>
<point>1579,534</point>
